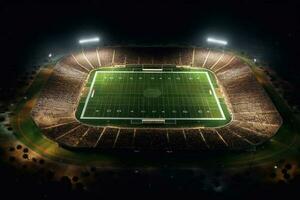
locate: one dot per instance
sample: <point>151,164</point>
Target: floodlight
<point>216,41</point>
<point>89,40</point>
<point>50,55</point>
<point>254,60</point>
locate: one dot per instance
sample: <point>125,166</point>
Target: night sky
<point>267,30</point>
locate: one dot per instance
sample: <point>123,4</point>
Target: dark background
<point>267,30</point>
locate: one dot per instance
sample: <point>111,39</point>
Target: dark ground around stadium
<point>267,30</point>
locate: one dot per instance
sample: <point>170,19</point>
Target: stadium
<point>130,98</point>
<point>155,98</point>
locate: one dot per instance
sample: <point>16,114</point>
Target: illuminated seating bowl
<point>254,118</point>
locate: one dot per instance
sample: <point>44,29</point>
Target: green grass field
<point>146,97</point>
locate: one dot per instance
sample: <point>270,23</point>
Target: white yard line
<point>88,98</point>
<point>216,98</point>
<point>140,118</point>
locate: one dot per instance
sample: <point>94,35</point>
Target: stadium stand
<point>177,140</point>
<point>194,140</point>
<point>106,56</point>
<point>185,56</point>
<point>108,138</point>
<point>254,117</point>
<point>92,58</point>
<point>213,58</point>
<point>90,138</point>
<point>59,98</point>
<point>125,139</point>
<point>73,137</point>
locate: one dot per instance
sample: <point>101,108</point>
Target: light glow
<point>216,41</point>
<point>89,40</point>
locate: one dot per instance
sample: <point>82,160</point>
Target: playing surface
<point>140,95</point>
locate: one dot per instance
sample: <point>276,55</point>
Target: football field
<point>152,95</point>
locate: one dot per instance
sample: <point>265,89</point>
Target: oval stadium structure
<point>155,98</point>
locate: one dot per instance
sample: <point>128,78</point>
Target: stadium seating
<point>92,58</point>
<point>194,140</point>
<point>177,140</point>
<point>108,138</point>
<point>200,57</point>
<point>254,117</point>
<point>185,56</point>
<point>58,130</point>
<point>90,139</point>
<point>73,137</point>
<point>213,58</point>
<point>106,56</point>
<point>125,139</point>
<point>213,140</point>
<point>59,98</point>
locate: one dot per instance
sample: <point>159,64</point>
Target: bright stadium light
<point>89,40</point>
<point>216,41</point>
<point>50,55</point>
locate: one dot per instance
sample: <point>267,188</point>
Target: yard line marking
<point>144,72</point>
<point>86,102</point>
<point>216,98</point>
